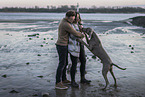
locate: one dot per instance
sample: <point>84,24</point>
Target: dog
<point>95,46</point>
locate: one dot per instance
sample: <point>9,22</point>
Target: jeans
<point>74,60</point>
<point>73,67</point>
<point>63,62</point>
<point>82,59</point>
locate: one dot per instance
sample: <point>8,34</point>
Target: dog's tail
<point>118,66</point>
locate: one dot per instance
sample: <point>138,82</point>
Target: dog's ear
<point>88,31</point>
<point>84,29</point>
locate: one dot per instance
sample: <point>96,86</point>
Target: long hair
<point>77,13</point>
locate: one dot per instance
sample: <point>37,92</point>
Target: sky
<point>57,3</point>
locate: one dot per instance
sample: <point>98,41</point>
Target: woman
<point>77,51</point>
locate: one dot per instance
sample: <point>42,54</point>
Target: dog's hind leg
<point>104,73</point>
<point>111,71</point>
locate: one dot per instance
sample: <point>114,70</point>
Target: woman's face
<point>77,18</point>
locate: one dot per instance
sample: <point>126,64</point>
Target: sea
<point>33,23</point>
<point>28,56</point>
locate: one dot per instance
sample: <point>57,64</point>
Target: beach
<point>28,60</point>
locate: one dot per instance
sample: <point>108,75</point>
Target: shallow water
<point>28,59</point>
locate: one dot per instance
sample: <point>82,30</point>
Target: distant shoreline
<point>80,12</point>
<point>65,8</point>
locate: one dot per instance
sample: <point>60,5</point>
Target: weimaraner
<point>94,45</point>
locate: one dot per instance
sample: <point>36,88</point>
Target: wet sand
<point>28,66</point>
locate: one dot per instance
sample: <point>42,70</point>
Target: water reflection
<point>61,93</point>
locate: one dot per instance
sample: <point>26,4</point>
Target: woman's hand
<point>80,27</point>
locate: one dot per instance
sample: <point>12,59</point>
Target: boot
<point>74,84</point>
<point>85,81</point>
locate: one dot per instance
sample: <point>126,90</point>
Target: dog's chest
<point>94,41</point>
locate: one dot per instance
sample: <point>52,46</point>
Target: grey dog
<point>95,46</point>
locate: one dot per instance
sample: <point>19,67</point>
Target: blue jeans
<point>63,62</point>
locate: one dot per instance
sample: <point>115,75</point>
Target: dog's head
<point>89,31</point>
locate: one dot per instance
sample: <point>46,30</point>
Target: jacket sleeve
<point>72,31</point>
